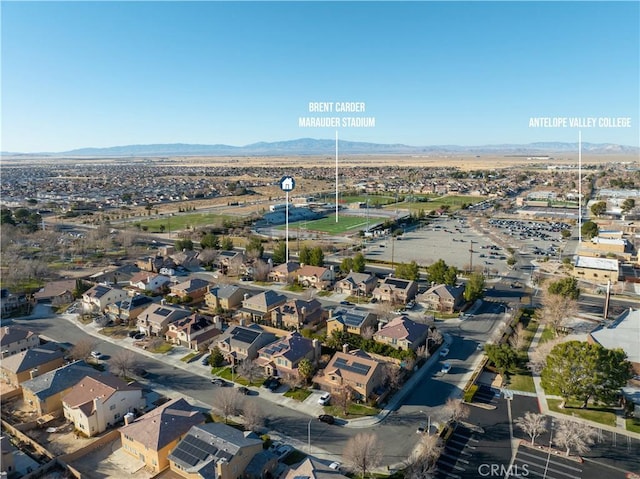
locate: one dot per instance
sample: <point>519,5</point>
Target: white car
<point>96,354</point>
<point>446,367</point>
<point>324,399</point>
<point>335,466</point>
<point>444,352</point>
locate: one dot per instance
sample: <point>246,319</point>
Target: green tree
<point>184,244</point>
<point>216,358</point>
<point>305,370</point>
<point>280,253</point>
<point>408,271</point>
<point>599,208</point>
<point>316,258</point>
<point>254,247</point>
<point>565,287</point>
<point>6,217</point>
<point>451,276</point>
<point>226,244</point>
<point>503,357</point>
<point>304,256</point>
<point>441,273</point>
<point>566,234</point>
<point>628,205</point>
<point>474,288</point>
<point>210,240</point>
<point>346,265</point>
<point>590,229</point>
<point>359,263</point>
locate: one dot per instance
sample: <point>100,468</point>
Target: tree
<point>599,208</point>
<point>210,240</point>
<point>518,337</point>
<point>574,436</point>
<point>566,287</point>
<point>589,229</point>
<point>249,370</point>
<point>304,255</point>
<point>474,288</point>
<point>216,358</point>
<point>538,357</point>
<point>363,452</point>
<point>628,205</point>
<point>316,258</point>
<point>580,370</point>
<point>305,370</point>
<point>229,400</point>
<point>184,244</point>
<point>279,255</point>
<point>393,374</point>
<point>422,461</point>
<point>456,410</point>
<point>346,265</point>
<point>359,263</point>
<point>123,363</point>
<point>409,271</point>
<point>226,244</point>
<point>253,416</point>
<point>82,349</point>
<point>556,309</point>
<point>343,398</point>
<point>441,273</point>
<point>254,248</point>
<point>532,424</point>
<point>566,234</point>
<point>502,356</point>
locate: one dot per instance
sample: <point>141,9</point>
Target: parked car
<point>243,390</point>
<point>446,367</point>
<point>271,383</point>
<point>328,418</point>
<point>444,352</point>
<point>132,333</point>
<point>96,354</point>
<point>335,466</point>
<point>324,399</point>
<point>219,382</point>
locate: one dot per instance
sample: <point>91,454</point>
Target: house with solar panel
<point>155,320</point>
<point>100,296</point>
<point>350,319</point>
<point>216,450</point>
<point>296,313</point>
<point>242,342</point>
<point>195,331</point>
<point>281,358</point>
<point>395,290</point>
<point>356,370</point>
<point>129,309</point>
<point>151,437</point>
<point>258,308</point>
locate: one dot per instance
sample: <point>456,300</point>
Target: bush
<point>469,393</point>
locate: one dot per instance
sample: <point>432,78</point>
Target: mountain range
<point>311,146</point>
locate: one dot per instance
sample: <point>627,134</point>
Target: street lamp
<point>428,422</point>
<point>309,436</point>
<point>546,466</point>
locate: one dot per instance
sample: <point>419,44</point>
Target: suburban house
<point>295,313</point>
<point>151,437</point>
<point>311,468</point>
<point>100,296</point>
<point>154,264</point>
<point>129,309</point>
<point>57,292</point>
<point>226,297</point>
<point>43,394</point>
<point>195,331</point>
<point>28,364</point>
<point>242,342</point>
<point>596,270</point>
<point>355,370</point>
<point>350,319</point>
<point>281,357</point>
<point>231,262</point>
<point>403,333</point>
<point>395,290</point>
<point>214,450</point>
<point>155,320</point>
<point>259,307</point>
<point>96,403</point>
<point>7,459</point>
<point>442,297</point>
<point>187,259</point>
<point>146,281</point>
<point>193,288</point>
<point>283,273</point>
<point>10,301</point>
<point>317,277</point>
<point>624,333</point>
<point>357,284</point>
<point>14,339</point>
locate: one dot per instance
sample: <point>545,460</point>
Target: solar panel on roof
<point>185,457</point>
<point>245,336</point>
<point>400,283</point>
<point>352,319</point>
<point>357,368</point>
<point>163,311</point>
<point>225,455</point>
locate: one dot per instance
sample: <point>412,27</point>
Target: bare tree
<point>538,357</point>
<point>556,309</point>
<point>421,352</point>
<point>532,424</point>
<point>123,363</point>
<point>229,400</point>
<point>82,349</point>
<point>249,370</point>
<point>367,332</point>
<point>363,452</point>
<point>518,337</point>
<point>393,374</point>
<point>261,270</point>
<point>422,461</point>
<point>456,410</point>
<point>575,436</point>
<point>253,416</point>
<point>343,398</point>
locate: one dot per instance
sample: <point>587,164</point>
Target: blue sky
<point>99,74</point>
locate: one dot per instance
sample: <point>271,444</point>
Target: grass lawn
<point>188,357</point>
<point>603,415</point>
<point>328,225</point>
<point>115,331</point>
<point>633,425</point>
<point>454,202</point>
<point>354,410</point>
<point>299,394</point>
<point>547,334</point>
<point>162,348</point>
<point>522,382</point>
<point>181,221</point>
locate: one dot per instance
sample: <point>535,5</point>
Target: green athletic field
<point>182,221</point>
<point>328,225</point>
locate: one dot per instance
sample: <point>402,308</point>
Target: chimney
<point>33,373</point>
<point>246,296</point>
<point>163,301</point>
<point>303,311</point>
<point>128,418</point>
<point>317,349</point>
<point>243,322</point>
<point>345,348</point>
